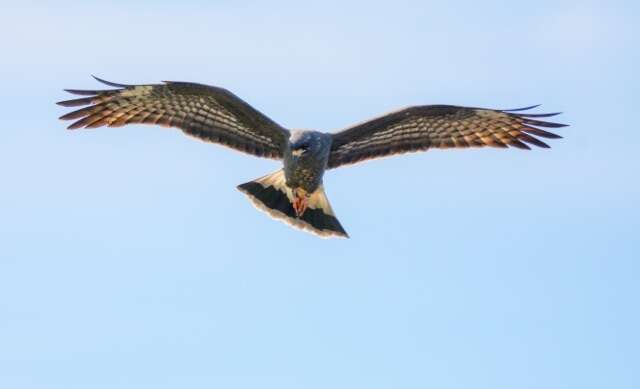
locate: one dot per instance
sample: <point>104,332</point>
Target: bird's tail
<point>271,195</point>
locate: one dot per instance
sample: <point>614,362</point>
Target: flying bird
<point>295,194</point>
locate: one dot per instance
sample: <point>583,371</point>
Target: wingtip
<point>75,102</point>
<point>113,84</point>
<point>81,92</point>
<point>536,115</point>
<point>522,109</point>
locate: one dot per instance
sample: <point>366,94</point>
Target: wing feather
<point>206,112</point>
<point>440,126</point>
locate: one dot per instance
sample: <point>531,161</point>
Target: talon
<point>300,202</point>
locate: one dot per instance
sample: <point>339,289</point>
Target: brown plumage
<point>296,194</point>
<point>209,113</point>
<point>438,126</point>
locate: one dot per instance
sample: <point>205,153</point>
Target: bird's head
<point>305,143</point>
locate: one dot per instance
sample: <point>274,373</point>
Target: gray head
<point>304,143</point>
<point>306,158</point>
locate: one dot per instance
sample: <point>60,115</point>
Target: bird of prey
<point>295,194</point>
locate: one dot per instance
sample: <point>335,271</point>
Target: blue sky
<point>129,259</point>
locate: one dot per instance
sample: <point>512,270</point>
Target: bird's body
<point>305,159</point>
<point>296,194</point>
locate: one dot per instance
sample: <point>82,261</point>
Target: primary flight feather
<point>295,194</point>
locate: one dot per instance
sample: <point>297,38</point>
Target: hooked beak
<point>297,152</point>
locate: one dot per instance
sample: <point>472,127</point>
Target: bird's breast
<point>303,175</point>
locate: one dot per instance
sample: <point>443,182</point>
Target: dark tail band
<point>271,195</point>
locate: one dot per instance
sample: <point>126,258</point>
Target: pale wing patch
<point>142,90</point>
<point>319,200</point>
<point>278,181</point>
<point>297,223</point>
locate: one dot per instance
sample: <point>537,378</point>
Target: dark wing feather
<point>438,126</point>
<point>209,113</point>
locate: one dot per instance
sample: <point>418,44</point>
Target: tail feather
<point>271,195</point>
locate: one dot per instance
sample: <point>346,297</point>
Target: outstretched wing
<point>206,112</point>
<point>438,126</point>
